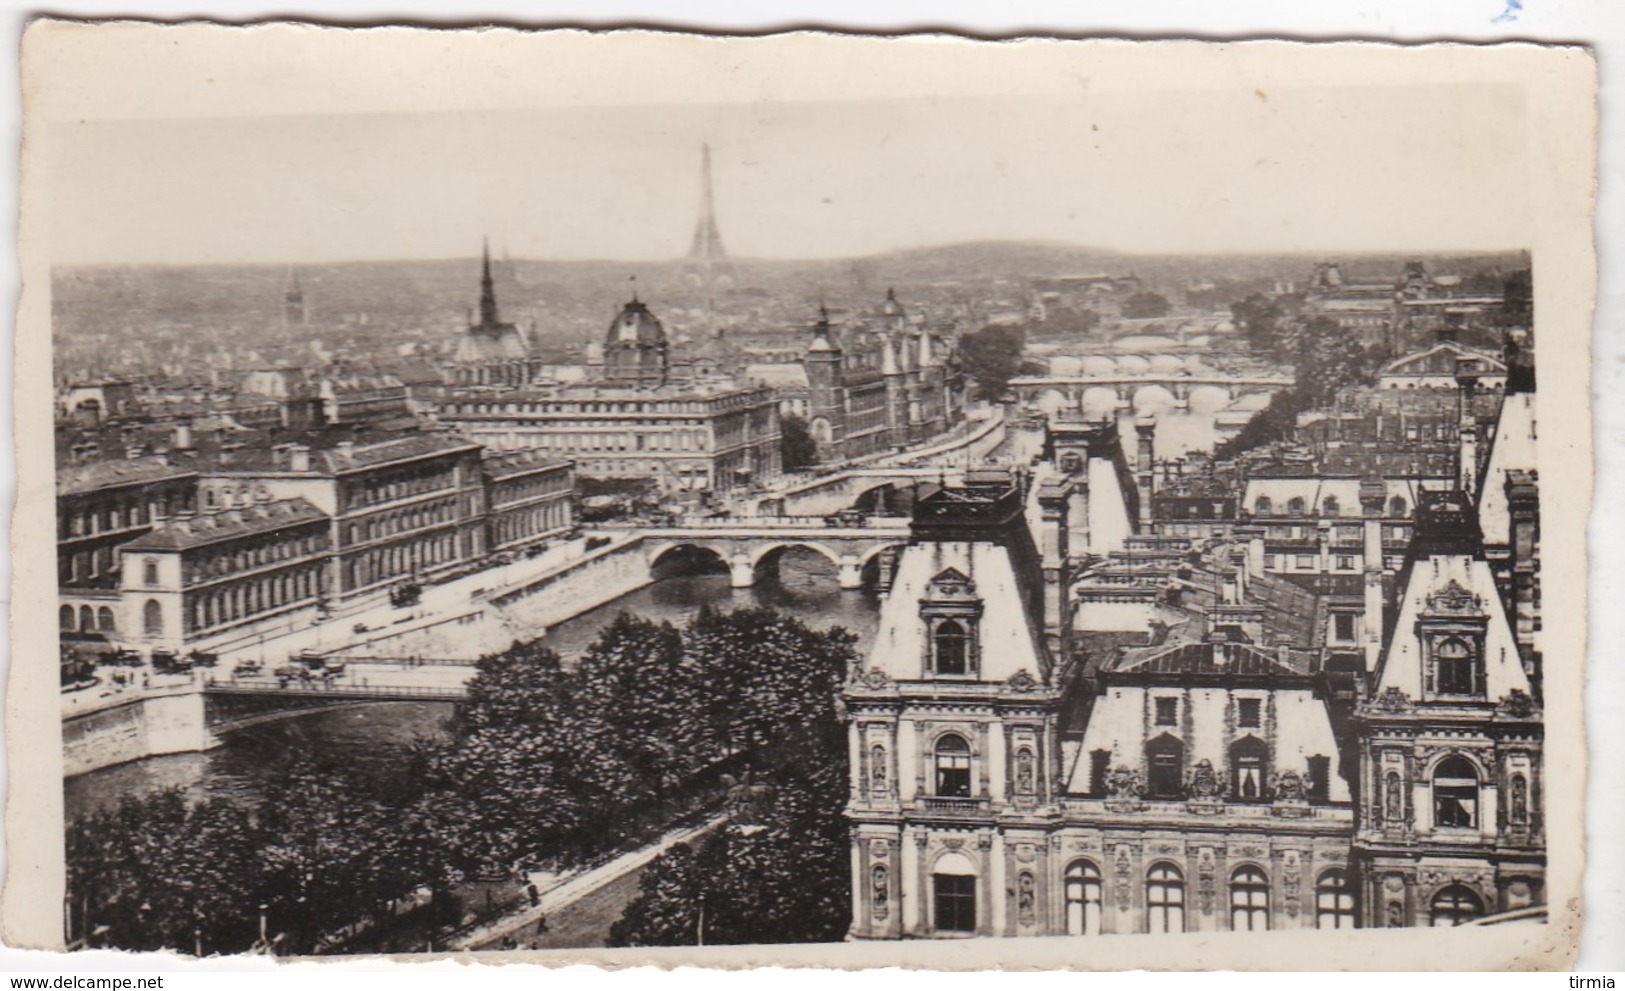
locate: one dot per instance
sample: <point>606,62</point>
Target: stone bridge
<point>1120,390</point>
<point>873,488</point>
<point>853,545</point>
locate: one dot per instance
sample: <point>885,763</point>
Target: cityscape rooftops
<point>95,475</point>
<point>186,531</point>
<point>504,464</point>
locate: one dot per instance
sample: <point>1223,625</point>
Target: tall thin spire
<point>488,293</point>
<point>706,248</point>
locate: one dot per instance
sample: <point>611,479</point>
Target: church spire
<point>488,293</point>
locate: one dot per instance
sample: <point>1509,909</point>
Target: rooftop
<point>95,475</point>
<point>185,532</point>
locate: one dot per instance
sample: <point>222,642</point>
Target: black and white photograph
<point>561,495</point>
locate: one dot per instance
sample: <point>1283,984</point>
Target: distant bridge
<point>823,495</point>
<point>1055,393</point>
<point>742,544</point>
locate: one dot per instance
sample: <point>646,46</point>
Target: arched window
<point>1397,507</point>
<point>64,618</point>
<point>950,644</point>
<point>152,618</point>
<point>1295,506</point>
<point>1249,900</point>
<point>1165,756</point>
<point>1165,899</point>
<point>1455,905</point>
<point>1083,899</point>
<point>1334,901</point>
<point>953,889</point>
<point>1329,506</point>
<point>1455,793</point>
<point>1457,668</point>
<point>953,767</point>
<point>1263,506</point>
<point>1249,764</point>
<point>104,620</point>
<point>87,620</point>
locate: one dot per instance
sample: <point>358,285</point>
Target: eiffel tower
<point>708,266</point>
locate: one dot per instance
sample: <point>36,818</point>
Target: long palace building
<point>165,552</point>
<point>634,422</point>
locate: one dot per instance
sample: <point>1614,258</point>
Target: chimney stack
<point>1372,499</point>
<point>298,457</point>
<point>1523,506</point>
<point>1146,428</point>
<point>1467,375</point>
<point>183,434</point>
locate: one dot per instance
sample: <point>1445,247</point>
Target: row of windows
<point>1248,712</point>
<point>265,594</point>
<point>403,560</point>
<point>391,522</point>
<point>1329,506</point>
<point>132,512</point>
<point>86,621</point>
<point>524,523</point>
<point>955,909</point>
<point>398,484</point>
<point>578,408</point>
<point>88,566</point>
<point>531,487</point>
<point>277,547</point>
<point>687,439</point>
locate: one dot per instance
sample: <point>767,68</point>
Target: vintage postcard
<point>806,499</point>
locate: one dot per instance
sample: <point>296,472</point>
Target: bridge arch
<point>1153,397</point>
<point>688,557</point>
<point>1133,364</point>
<point>1209,398</point>
<point>758,555</point>
<point>1099,400</point>
<point>1053,401</point>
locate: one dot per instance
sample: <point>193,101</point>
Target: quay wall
<point>495,618</point>
<point>144,726</point>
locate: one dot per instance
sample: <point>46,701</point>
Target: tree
<point>1329,359</point>
<point>797,449</point>
<point>772,695</point>
<point>992,356</point>
<point>1143,305</point>
<point>161,873</point>
<point>663,914</point>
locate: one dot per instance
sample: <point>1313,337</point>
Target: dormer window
<point>1457,667</point>
<point>951,611</point>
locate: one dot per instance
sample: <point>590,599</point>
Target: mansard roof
<point>186,532</point>
<point>1228,659</point>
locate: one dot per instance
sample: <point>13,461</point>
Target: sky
<point>588,147</point>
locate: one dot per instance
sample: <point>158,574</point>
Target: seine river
<point>374,736</point>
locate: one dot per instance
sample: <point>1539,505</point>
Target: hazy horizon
<point>1212,152</point>
<point>1310,254</point>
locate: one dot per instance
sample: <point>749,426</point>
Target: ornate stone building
<point>1449,743</point>
<point>1205,749</point>
<point>880,384</point>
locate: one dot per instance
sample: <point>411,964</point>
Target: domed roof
<point>636,325</point>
